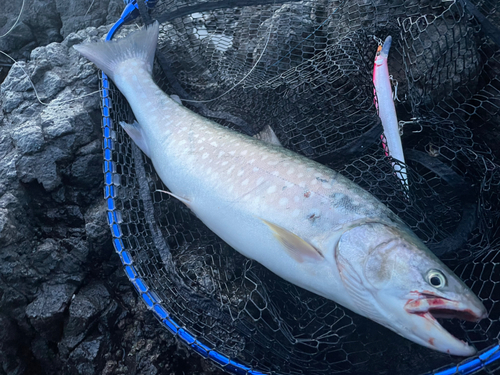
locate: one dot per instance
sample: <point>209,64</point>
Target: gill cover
<point>361,260</point>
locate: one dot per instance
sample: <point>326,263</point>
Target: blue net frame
<point>148,296</point>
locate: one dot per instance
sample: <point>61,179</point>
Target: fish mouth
<point>437,307</point>
<point>430,307</point>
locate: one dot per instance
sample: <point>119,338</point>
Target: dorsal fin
<point>267,135</point>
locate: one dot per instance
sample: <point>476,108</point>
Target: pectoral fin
<point>298,249</point>
<point>135,132</point>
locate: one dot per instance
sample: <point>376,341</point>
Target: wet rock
<point>46,311</point>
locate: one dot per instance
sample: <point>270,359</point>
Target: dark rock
<point>42,168</point>
<point>46,355</point>
<point>54,237</point>
<point>86,171</point>
<point>86,358</point>
<point>85,13</point>
<point>14,86</point>
<point>83,312</point>
<point>28,137</point>
<point>46,311</point>
<point>9,220</point>
<point>96,229</point>
<point>11,362</point>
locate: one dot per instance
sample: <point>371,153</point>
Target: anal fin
<point>298,249</point>
<point>186,201</point>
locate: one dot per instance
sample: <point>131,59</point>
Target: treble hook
<point>395,84</point>
<point>413,120</point>
<point>379,41</point>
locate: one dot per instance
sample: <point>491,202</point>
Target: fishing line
<point>260,57</point>
<point>244,77</point>
<point>27,75</point>
<point>88,10</point>
<point>36,92</point>
<point>15,23</point>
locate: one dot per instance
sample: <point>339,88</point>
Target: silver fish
<point>300,219</point>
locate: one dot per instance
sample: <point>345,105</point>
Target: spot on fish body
<point>283,201</point>
<point>271,189</point>
<point>205,155</point>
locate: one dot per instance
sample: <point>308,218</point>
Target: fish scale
<point>300,219</point>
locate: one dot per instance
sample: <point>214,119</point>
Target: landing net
<point>305,69</point>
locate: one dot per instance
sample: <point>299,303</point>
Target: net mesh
<point>305,69</point>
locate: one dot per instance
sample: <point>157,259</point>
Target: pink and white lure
<point>387,111</point>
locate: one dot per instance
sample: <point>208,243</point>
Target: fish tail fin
<point>139,46</point>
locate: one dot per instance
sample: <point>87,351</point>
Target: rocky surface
<point>66,306</point>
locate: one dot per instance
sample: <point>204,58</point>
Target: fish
<point>300,219</point>
<point>387,112</point>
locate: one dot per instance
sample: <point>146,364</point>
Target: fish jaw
<point>422,309</point>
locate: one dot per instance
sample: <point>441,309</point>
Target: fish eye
<point>436,278</point>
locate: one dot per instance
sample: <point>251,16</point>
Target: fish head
<point>395,280</point>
